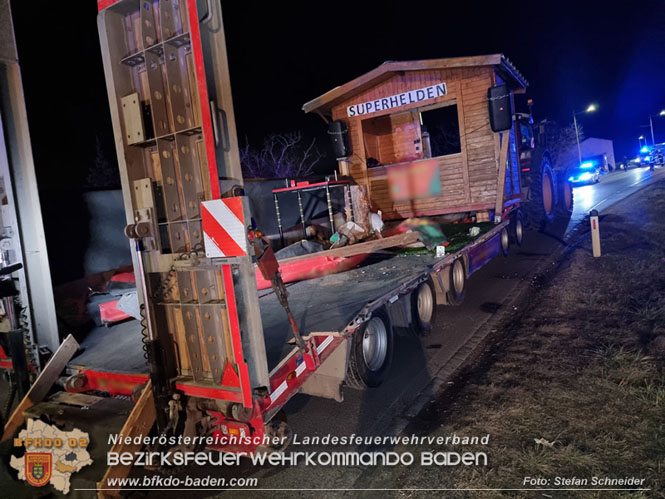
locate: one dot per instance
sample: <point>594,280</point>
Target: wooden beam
<point>139,422</point>
<point>42,385</point>
<point>463,138</point>
<point>361,206</point>
<point>323,117</point>
<point>357,249</point>
<point>501,175</point>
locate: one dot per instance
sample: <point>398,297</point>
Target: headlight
<point>585,176</point>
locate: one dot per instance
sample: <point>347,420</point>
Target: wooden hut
<point>419,135</point>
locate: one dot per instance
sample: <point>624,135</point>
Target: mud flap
<point>327,379</point>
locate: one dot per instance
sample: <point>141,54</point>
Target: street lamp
<point>653,140</point>
<point>590,109</point>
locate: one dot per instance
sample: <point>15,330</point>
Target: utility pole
<point>577,136</point>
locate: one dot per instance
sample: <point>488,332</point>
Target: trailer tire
<point>542,203</point>
<point>565,204</point>
<point>371,352</point>
<point>517,229</point>
<point>505,241</point>
<point>423,308</point>
<point>457,280</point>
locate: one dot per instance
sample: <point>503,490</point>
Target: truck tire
<point>517,229</point>
<point>457,280</point>
<point>541,206</point>
<point>371,352</point>
<point>505,241</point>
<point>423,308</point>
<point>565,199</point>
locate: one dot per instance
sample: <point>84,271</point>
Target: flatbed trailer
<point>330,310</point>
<point>215,355</point>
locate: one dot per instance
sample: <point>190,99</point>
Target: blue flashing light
<point>648,158</point>
<point>587,165</point>
<point>582,177</point>
<point>644,149</point>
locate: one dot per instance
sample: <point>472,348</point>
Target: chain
<point>24,326</point>
<point>169,282</point>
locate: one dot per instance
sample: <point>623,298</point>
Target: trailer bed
<point>327,304</point>
<point>322,305</point>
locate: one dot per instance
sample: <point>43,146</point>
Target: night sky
<point>571,53</point>
<point>284,54</point>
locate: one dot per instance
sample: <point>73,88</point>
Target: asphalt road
<point>421,366</point>
<point>610,189</point>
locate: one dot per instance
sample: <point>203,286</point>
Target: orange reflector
<point>291,376</point>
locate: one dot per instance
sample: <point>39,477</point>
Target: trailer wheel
<point>457,288</point>
<point>564,207</point>
<point>371,352</point>
<point>541,206</point>
<point>517,229</point>
<point>505,241</point>
<point>423,308</point>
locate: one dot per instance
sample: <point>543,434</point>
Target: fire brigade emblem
<point>51,455</point>
<point>37,468</point>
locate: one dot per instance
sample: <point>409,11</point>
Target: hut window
<point>392,139</point>
<point>442,125</point>
<point>377,134</point>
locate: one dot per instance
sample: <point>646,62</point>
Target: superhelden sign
<point>403,99</point>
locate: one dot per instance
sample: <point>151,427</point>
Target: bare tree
<point>102,174</point>
<point>444,139</point>
<point>562,143</point>
<point>282,155</point>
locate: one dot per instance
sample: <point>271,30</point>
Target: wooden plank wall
<point>468,178</point>
<point>481,149</point>
<point>406,137</point>
<point>450,170</point>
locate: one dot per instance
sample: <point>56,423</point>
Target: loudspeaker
<point>339,137</point>
<point>501,112</point>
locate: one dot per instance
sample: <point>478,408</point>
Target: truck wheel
<point>517,229</point>
<point>371,352</point>
<point>505,241</point>
<point>457,288</point>
<point>423,308</point>
<point>541,206</point>
<point>564,207</point>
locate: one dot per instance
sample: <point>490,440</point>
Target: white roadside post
<point>595,233</point>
